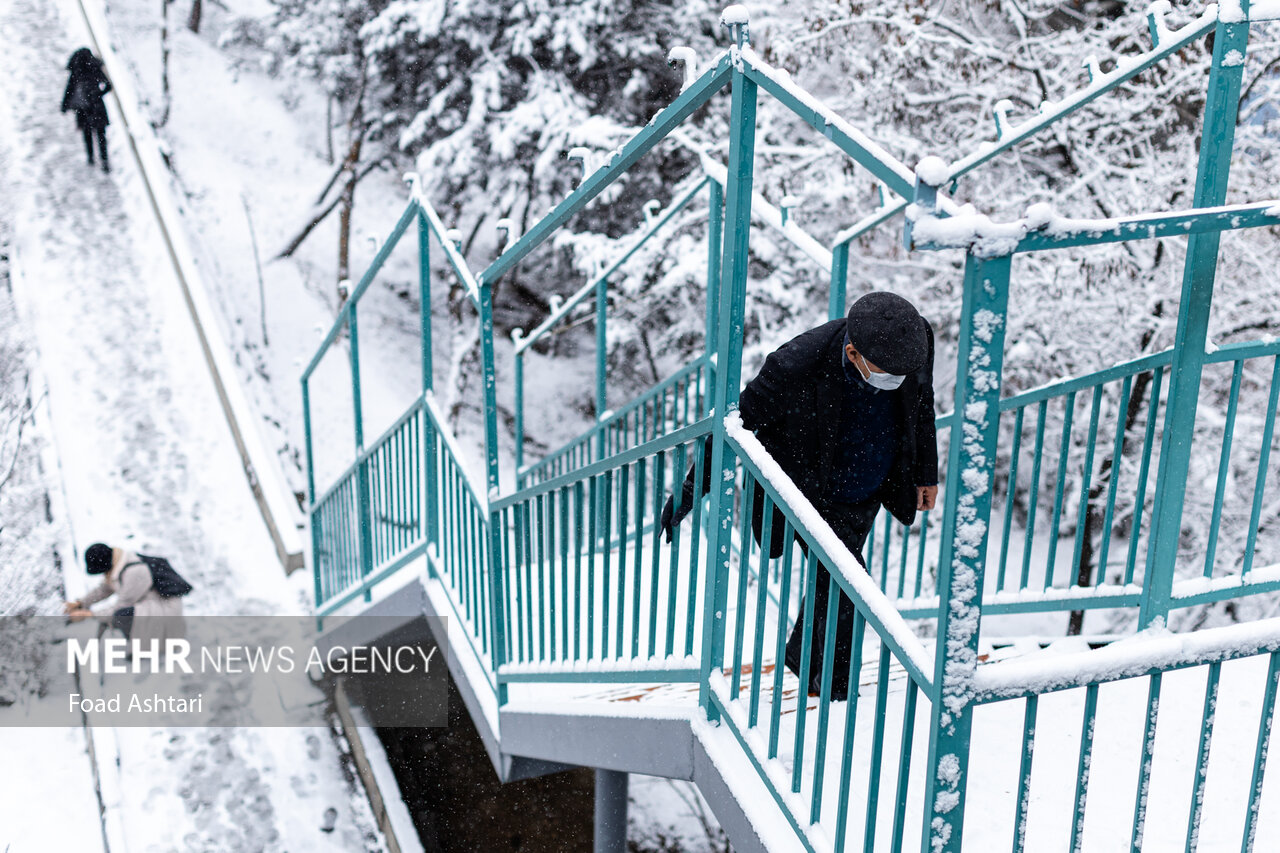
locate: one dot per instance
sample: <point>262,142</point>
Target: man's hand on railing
<point>672,516</point>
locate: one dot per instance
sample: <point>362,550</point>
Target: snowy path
<point>145,453</point>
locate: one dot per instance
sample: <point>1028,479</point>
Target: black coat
<point>86,71</point>
<point>794,407</point>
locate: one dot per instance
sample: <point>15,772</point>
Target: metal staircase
<point>578,637</point>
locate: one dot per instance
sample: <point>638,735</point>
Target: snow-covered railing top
<point>1042,229</point>
<point>1152,650</point>
<point>561,309</point>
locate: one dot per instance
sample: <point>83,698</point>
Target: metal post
<point>732,304</point>
<point>497,569</point>
<point>311,497</point>
<point>431,522</point>
<point>715,245</point>
<point>966,525</point>
<point>363,509</point>
<point>519,417</point>
<point>1216,142</point>
<point>602,355</point>
<point>424,297</point>
<point>836,307</point>
<point>611,812</point>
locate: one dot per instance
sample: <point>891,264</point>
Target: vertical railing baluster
<point>779,657</point>
<point>564,572</point>
<point>578,495</point>
<point>877,750</point>
<point>550,611</point>
<point>1140,496</point>
<point>673,552</point>
<point>655,563</point>
<point>606,581</point>
<point>924,535</point>
<point>888,537</point>
<point>850,729</point>
<point>1023,802</point>
<point>1144,767</point>
<point>806,659</point>
<point>1264,460</point>
<point>1224,467</point>
<point>1084,766</point>
<point>1033,496</point>
<point>1265,724</point>
<point>624,517</point>
<point>740,603</point>
<point>1011,492</point>
<point>593,532</point>
<point>762,601</point>
<point>1086,480</point>
<point>695,541</point>
<point>1117,456</point>
<point>1202,754</point>
<point>541,528</point>
<point>902,560</point>
<point>834,594</point>
<point>637,574</point>
<point>904,765</point>
<point>1060,488</point>
<point>518,512</point>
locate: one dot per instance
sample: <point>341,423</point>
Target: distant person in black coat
<point>85,87</point>
<point>846,410</point>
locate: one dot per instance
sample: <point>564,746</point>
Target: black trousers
<point>88,133</point>
<point>852,523</point>
<point>123,620</point>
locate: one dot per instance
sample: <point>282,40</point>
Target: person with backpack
<point>148,594</point>
<point>86,85</point>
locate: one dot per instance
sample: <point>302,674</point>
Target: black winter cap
<point>97,559</point>
<point>889,332</point>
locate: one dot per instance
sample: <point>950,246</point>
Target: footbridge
<point>579,637</point>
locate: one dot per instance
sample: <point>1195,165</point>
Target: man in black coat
<point>846,410</point>
<point>86,85</point>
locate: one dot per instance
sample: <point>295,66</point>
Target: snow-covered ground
<point>144,459</point>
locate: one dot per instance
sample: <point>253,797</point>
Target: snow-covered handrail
<point>652,227</point>
<point>771,216</point>
<point>853,142</point>
<point>658,128</point>
<point>459,263</point>
<point>451,445</point>
<point>1042,229</point>
<point>1126,69</point>
<point>1150,651</point>
<point>384,251</point>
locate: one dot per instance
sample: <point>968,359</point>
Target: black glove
<point>671,516</point>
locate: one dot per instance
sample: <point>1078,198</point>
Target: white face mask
<point>881,381</point>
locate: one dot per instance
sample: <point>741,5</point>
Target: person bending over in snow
<point>846,409</point>
<point>148,594</point>
<point>85,87</point>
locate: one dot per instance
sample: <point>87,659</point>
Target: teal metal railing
<point>589,581</point>
<point>1065,498</point>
